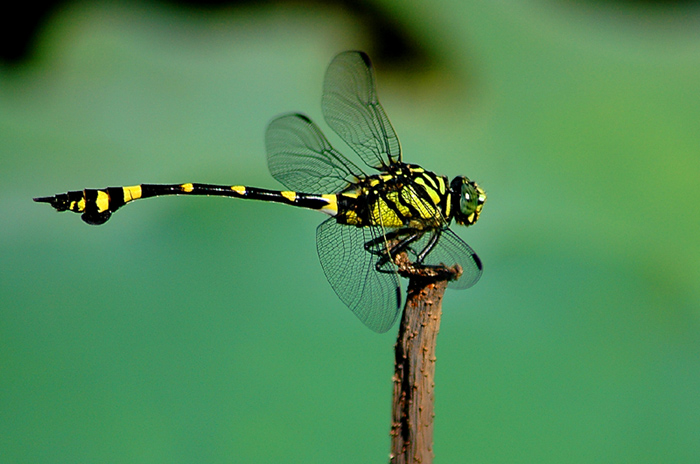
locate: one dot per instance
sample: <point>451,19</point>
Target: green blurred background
<point>192,330</point>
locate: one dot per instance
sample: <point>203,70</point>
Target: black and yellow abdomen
<point>97,205</point>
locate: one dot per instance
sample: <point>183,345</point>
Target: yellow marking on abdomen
<point>187,188</point>
<point>78,206</point>
<point>239,189</point>
<point>332,207</point>
<point>132,193</point>
<point>291,196</point>
<point>102,201</point>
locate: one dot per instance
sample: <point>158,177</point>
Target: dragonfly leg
<point>429,247</point>
<point>418,264</point>
<point>389,246</point>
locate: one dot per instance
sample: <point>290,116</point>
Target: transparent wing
<point>450,250</point>
<point>351,108</point>
<point>302,159</point>
<point>373,296</point>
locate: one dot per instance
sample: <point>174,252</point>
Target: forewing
<point>373,296</point>
<point>302,159</point>
<point>351,108</point>
<point>448,251</point>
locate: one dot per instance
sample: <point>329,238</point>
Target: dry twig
<point>414,369</point>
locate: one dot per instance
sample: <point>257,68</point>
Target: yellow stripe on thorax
<point>426,209</point>
<point>381,214</point>
<point>431,189</point>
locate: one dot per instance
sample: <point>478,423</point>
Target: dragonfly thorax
<point>403,196</point>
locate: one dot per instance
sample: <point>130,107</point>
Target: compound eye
<point>467,205</point>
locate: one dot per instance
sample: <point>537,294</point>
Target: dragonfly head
<point>467,200</point>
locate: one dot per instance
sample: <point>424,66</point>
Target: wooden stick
<point>414,368</point>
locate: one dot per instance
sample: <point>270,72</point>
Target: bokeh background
<point>196,330</point>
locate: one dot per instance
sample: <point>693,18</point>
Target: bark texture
<point>414,369</point>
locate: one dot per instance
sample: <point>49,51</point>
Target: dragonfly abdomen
<point>97,205</point>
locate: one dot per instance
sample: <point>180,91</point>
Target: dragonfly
<point>380,209</point>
